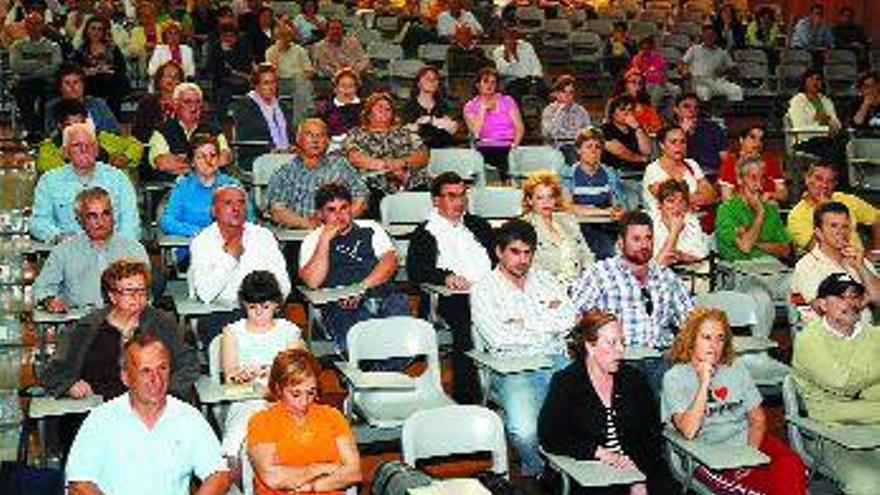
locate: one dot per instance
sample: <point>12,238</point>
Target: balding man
<point>71,277</point>
<point>291,192</point>
<point>54,218</point>
<point>170,142</point>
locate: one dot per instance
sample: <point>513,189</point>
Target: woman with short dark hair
<point>429,110</point>
<point>494,121</point>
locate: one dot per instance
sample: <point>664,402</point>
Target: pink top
<point>498,128</point>
<point>652,65</point>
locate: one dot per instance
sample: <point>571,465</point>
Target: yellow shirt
<point>800,220</point>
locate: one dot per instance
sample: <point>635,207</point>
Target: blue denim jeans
<point>521,396</point>
<point>339,319</point>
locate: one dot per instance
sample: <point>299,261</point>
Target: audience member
<point>494,120</point>
<point>297,445</point>
<point>33,62</point>
<point>751,145</point>
<point>563,119</point>
<point>672,164</point>
<point>706,138</point>
<point>627,145</point>
<point>157,107</point>
<point>310,26</point>
<point>53,217</point>
<point>227,250</point>
<point>339,51</point>
<point>69,278</point>
<point>867,114</point>
<point>259,117</point>
<point>763,31</point>
<point>456,18</point>
<point>821,180</point>
<point>678,236</point>
<point>708,65</point>
<point>70,83</point>
<point>652,65</point>
<point>342,252</point>
<point>632,84</point>
<point>146,32</point>
<point>342,111</point>
<point>648,299</point>
<point>170,143</point>
<point>103,64</point>
<point>453,248</point>
<point>145,420</point>
<point>811,32</point>
<point>429,109</point>
<point>248,347</point>
<point>172,50</point>
<point>849,35</point>
<point>518,65</point>
<point>600,409</point>
<point>833,252</point>
<point>838,375</point>
<point>259,37</point>
<point>812,109</point>
<point>619,49</point>
<point>710,397</point>
<point>561,249</point>
<point>464,58</point>
<point>228,64</point>
<point>521,311</point>
<point>729,29</point>
<point>391,156</point>
<point>295,71</point>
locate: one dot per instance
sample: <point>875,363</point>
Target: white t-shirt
<point>703,62</point>
<point>380,241</point>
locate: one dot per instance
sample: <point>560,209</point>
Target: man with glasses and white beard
<point>648,299</point>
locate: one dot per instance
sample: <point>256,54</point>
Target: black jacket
<point>572,421</point>
<point>421,257</point>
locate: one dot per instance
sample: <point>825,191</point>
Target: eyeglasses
<point>131,291</point>
<point>647,301</point>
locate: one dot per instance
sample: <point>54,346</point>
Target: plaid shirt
<point>611,286</point>
<point>294,185</point>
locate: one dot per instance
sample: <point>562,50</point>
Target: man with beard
<point>648,299</point>
<point>838,374</point>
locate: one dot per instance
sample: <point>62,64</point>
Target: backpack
<point>395,478</point>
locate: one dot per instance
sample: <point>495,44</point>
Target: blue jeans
<point>521,396</point>
<point>339,319</point>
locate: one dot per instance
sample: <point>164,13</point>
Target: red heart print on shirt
<point>720,393</point>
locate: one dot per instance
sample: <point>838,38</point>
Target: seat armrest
<point>716,457</point>
<point>374,380</point>
<point>854,437</point>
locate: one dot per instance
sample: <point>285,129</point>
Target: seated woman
<point>672,164</point>
<point>342,112</point>
<point>599,408</point>
<point>749,144</point>
<point>678,236</point>
<point>248,346</point>
<point>87,361</point>
<point>812,109</point>
<point>710,397</point>
<point>632,84</point>
<point>171,50</point>
<point>596,190</point>
<point>494,121</point>
<point>158,106</point>
<point>627,145</point>
<point>429,110</point>
<point>561,249</point>
<point>188,210</point>
<point>296,445</point>
<point>652,65</point>
<point>309,24</point>
<point>103,64</point>
<point>563,119</point>
<point>295,72</point>
<point>392,155</point>
<point>258,117</point>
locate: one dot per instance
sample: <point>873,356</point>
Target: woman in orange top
<point>296,444</point>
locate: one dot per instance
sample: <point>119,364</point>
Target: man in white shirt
<point>145,442</point>
<point>522,312</point>
<point>342,252</point>
<point>519,65</point>
<point>708,64</point>
<point>452,249</point>
<point>833,253</point>
<point>457,17</point>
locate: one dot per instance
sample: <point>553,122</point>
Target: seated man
<point>290,195</point>
<point>820,181</point>
<point>811,32</point>
<point>452,248</point>
<point>705,138</point>
<point>343,251</point>
<point>838,374</point>
<point>708,64</point>
<point>53,218</point>
<point>750,233</point>
<point>33,61</point>
<point>519,66</point>
<point>457,17</point>
<point>71,276</point>
<point>833,253</point>
<point>338,50</point>
<point>648,299</point>
<point>519,312</point>
<point>173,441</point>
<point>71,86</point>
<point>171,141</point>
<point>866,119</point>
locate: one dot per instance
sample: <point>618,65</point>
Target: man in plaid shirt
<point>649,299</point>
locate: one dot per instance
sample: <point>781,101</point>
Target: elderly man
<point>519,311</point>
<point>821,179</point>
<point>290,196</point>
<point>833,253</point>
<point>708,64</point>
<point>171,142</point>
<point>53,210</point>
<point>173,441</point>
<point>338,50</point>
<point>648,299</point>
<point>230,248</point>
<point>452,248</point>
<point>70,277</point>
<point>343,251</point>
<point>71,86</point>
<point>837,371</point>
